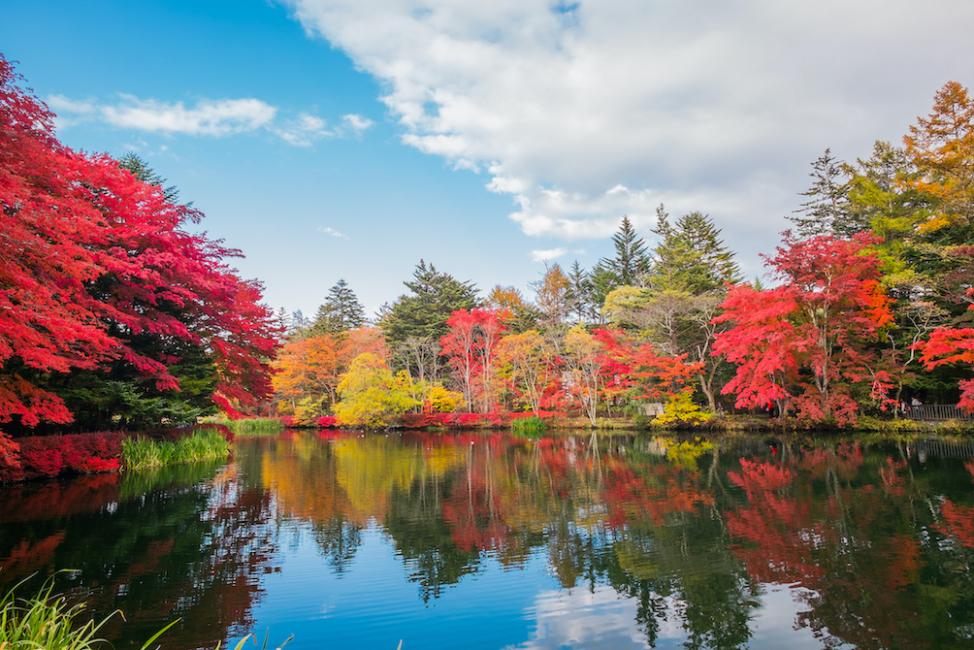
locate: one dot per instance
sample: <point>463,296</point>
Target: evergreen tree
<point>340,312</point>
<point>826,208</point>
<point>141,170</point>
<point>691,256</point>
<point>419,317</point>
<point>631,262</point>
<point>580,292</point>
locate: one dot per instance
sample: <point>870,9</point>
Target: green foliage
<point>532,427</point>
<point>691,256</point>
<point>423,312</point>
<point>206,444</point>
<point>681,410</point>
<point>340,312</point>
<point>631,261</point>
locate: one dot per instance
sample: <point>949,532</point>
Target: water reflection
<point>499,541</point>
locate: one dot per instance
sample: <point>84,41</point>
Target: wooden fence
<point>936,412</point>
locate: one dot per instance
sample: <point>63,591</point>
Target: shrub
<point>77,453</point>
<point>680,410</point>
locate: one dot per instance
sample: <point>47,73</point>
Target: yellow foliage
<point>680,409</point>
<point>371,396</point>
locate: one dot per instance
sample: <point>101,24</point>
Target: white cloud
<point>332,232</point>
<point>304,131</point>
<point>207,117</point>
<point>357,123</point>
<point>548,254</point>
<point>584,111</point>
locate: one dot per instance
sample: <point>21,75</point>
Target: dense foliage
<point>110,307</point>
<point>865,309</point>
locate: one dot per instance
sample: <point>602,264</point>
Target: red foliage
<point>958,522</point>
<point>79,453</point>
<point>755,476</point>
<point>327,421</point>
<point>470,347</point>
<point>90,251</point>
<point>951,346</point>
<point>805,343</point>
<point>640,370</point>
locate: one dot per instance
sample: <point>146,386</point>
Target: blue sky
<point>270,198</point>
<point>484,137</point>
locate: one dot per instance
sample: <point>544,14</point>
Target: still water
<point>491,541</point>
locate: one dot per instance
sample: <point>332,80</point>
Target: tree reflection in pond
<point>690,541</point>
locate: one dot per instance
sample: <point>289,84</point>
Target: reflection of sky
<point>372,604</point>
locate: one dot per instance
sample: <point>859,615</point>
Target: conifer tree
<point>825,210</point>
<point>340,312</point>
<point>631,262</point>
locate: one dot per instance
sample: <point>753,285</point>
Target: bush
<point>76,453</point>
<point>205,444</point>
<point>680,410</point>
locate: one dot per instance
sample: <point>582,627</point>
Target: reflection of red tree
<point>27,557</point>
<point>844,460</point>
<point>630,496</point>
<point>958,522</point>
<point>755,476</point>
<point>30,501</point>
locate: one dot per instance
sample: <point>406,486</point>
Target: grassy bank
<point>203,445</point>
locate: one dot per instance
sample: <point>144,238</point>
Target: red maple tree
<point>91,257</point>
<point>806,343</point>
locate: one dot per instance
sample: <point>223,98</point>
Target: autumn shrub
<point>50,456</point>
<point>141,452</point>
<point>327,421</point>
<point>681,410</point>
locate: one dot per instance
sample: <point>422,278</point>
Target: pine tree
<point>141,170</point>
<point>419,317</point>
<point>691,256</point>
<point>579,294</point>
<point>826,208</point>
<point>631,262</point>
<point>341,310</point>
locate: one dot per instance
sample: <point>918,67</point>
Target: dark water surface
<point>490,541</point>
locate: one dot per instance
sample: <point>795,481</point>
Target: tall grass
<point>256,426</point>
<point>532,427</point>
<point>48,622</point>
<point>202,445</point>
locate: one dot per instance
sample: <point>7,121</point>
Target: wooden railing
<point>936,412</point>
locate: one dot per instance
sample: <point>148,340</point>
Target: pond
<point>491,541</point>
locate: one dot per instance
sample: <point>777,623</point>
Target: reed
<point>532,427</point>
<point>203,445</point>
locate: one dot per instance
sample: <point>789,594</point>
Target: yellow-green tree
<point>371,395</point>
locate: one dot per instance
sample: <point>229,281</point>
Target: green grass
<point>203,445</point>
<point>250,426</point>
<point>47,622</point>
<point>529,427</point>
